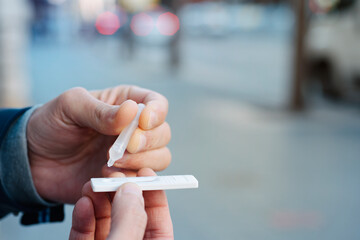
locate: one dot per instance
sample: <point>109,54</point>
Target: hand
<point>69,137</point>
<point>95,218</point>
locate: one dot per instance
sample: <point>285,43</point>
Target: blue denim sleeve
<point>17,190</point>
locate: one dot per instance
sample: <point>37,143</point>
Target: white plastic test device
<point>145,183</point>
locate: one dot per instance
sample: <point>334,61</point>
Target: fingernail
<point>152,119</point>
<point>142,143</point>
<point>131,188</point>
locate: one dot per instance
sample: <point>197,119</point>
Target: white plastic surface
<point>146,183</point>
<point>117,150</point>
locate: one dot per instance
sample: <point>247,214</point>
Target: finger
<point>156,108</point>
<point>117,172</point>
<point>157,159</point>
<point>129,173</point>
<point>83,220</point>
<point>80,107</point>
<point>152,139</point>
<point>112,172</point>
<point>109,172</point>
<point>153,198</point>
<point>102,209</point>
<point>159,223</point>
<point>128,214</point>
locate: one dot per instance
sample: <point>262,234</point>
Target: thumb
<point>85,110</point>
<point>128,216</point>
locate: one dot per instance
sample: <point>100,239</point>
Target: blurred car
<point>333,51</point>
<point>155,27</point>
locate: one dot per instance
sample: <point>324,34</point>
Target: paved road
<point>264,173</point>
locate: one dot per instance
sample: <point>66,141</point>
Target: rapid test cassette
<point>145,183</point>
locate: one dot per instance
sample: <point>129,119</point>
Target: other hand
<point>130,216</point>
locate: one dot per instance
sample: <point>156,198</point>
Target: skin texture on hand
<point>69,137</point>
<point>130,216</point>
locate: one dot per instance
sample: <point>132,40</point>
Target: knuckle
<point>163,137</point>
<point>77,90</point>
<point>149,139</point>
<point>136,207</point>
<point>169,156</point>
<point>158,138</point>
<point>129,89</point>
<point>168,131</point>
<point>98,112</point>
<point>86,189</point>
<point>102,117</point>
<point>70,95</point>
<point>166,101</point>
<point>167,159</point>
<point>133,87</point>
<point>140,215</point>
<point>63,99</point>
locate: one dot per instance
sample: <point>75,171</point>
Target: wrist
<point>33,140</point>
<point>17,179</point>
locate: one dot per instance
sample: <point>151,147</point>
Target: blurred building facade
<point>15,17</point>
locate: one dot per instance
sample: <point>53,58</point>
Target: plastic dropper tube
<point>117,150</point>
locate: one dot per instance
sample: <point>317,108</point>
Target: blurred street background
<point>264,102</point>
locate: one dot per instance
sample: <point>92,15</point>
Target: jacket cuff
<point>15,170</point>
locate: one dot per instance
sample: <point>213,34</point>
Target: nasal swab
<point>117,150</point>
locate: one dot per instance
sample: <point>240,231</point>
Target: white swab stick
<point>117,150</point>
